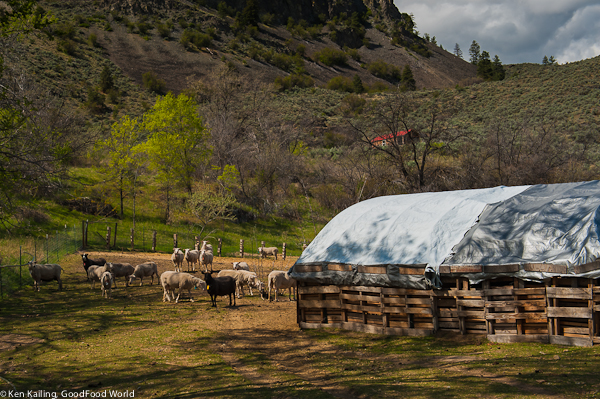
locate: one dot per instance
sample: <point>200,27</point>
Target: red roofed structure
<point>382,141</point>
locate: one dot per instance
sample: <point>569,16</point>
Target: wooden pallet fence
<point>570,311</point>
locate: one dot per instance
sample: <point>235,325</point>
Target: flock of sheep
<point>227,282</point>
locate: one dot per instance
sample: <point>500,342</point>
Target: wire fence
<point>103,236</point>
<point>16,253</point>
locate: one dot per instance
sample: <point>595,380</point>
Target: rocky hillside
<point>139,36</point>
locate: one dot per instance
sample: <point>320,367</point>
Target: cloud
<point>517,31</point>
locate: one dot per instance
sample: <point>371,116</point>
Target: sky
<point>518,31</point>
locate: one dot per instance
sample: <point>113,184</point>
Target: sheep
<point>87,262</point>
<point>279,279</point>
<point>106,284</point>
<point>241,266</point>
<point>242,277</point>
<point>95,273</point>
<point>192,256</point>
<point>220,286</point>
<point>264,251</point>
<point>206,258</point>
<point>148,269</point>
<point>46,272</point>
<point>171,280</point>
<point>177,259</point>
<point>121,270</point>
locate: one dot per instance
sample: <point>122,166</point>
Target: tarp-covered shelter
<point>525,234</point>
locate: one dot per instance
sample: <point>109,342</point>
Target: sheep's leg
<point>178,295</point>
<point>190,294</point>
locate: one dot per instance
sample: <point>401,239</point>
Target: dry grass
<point>75,340</point>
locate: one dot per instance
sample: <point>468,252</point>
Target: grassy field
<point>74,340</point>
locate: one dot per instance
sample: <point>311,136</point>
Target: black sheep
<point>87,262</point>
<point>219,286</point>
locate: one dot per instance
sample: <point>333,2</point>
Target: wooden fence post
<point>107,237</point>
<point>115,240</point>
<point>132,235</point>
<point>154,241</point>
<point>219,246</point>
<point>283,250</point>
<point>83,234</point>
<point>242,248</point>
<point>175,241</point>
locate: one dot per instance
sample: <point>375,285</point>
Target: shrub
<point>66,46</point>
<point>383,70</point>
<point>151,82</point>
<point>93,40</point>
<point>341,83</point>
<point>196,38</point>
<point>163,30</point>
<point>331,57</point>
<point>353,103</point>
<point>294,80</point>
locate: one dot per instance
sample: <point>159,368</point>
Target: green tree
<point>122,162</point>
<point>474,53</point>
<point>357,84</point>
<point>106,79</point>
<point>249,15</point>
<point>151,82</point>
<point>407,79</point>
<point>457,51</point>
<point>177,142</point>
<point>208,206</point>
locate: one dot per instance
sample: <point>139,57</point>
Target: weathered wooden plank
<point>419,301</point>
<point>308,268</point>
<point>320,304</point>
<point>466,293</point>
<point>472,313</point>
<point>545,268</point>
<point>569,312</point>
<point>466,269</point>
<point>372,269</point>
<point>339,267</point>
<point>394,300</point>
<point>588,267</point>
<point>514,291</point>
<point>512,268</point>
<point>516,303</point>
<point>405,291</point>
<point>319,289</point>
<point>472,303</point>
<point>360,288</point>
<point>411,270</point>
<point>506,317</point>
<point>576,330</point>
<point>569,293</point>
<point>361,308</point>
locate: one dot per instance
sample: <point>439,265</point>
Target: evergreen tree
<point>357,84</point>
<point>457,51</point>
<point>407,79</point>
<point>474,52</point>
<point>249,15</point>
<point>498,69</point>
<point>106,79</point>
<point>545,60</point>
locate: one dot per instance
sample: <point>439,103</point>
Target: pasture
<point>74,340</point>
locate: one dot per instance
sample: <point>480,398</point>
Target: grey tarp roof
<point>556,224</point>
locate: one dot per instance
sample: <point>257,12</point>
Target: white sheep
<point>147,269</point>
<point>48,272</point>
<point>182,281</point>
<point>121,270</point>
<point>206,258</point>
<point>241,266</point>
<point>96,272</point>
<point>192,256</point>
<point>279,279</point>
<point>264,251</point>
<point>242,277</point>
<point>177,259</point>
<point>106,284</point>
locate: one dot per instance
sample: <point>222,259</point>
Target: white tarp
<point>406,229</point>
<point>556,223</point>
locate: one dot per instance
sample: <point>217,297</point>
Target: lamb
<point>95,273</point>
<point>121,270</point>
<point>148,269</point>
<point>177,259</point>
<point>87,262</point>
<point>279,279</point>
<point>106,284</point>
<point>220,286</point>
<point>206,258</point>
<point>192,256</point>
<point>242,277</point>
<point>48,272</point>
<point>264,251</point>
<point>241,266</point>
<point>171,280</point>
